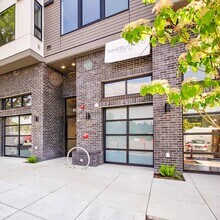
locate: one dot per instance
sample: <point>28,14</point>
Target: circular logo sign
<point>88,65</point>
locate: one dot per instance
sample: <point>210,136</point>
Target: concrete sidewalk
<point>51,190</point>
<point>198,198</point>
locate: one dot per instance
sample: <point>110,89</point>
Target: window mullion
<point>102,9</point>
<point>80,13</point>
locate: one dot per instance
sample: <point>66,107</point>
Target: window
<point>125,87</point>
<point>91,11</point>
<point>16,102</point>
<point>112,8</point>
<point>37,20</point>
<point>78,13</point>
<point>69,15</point>
<point>7,25</point>
<point>18,139</point>
<point>201,142</point>
<point>199,75</point>
<point>129,135</point>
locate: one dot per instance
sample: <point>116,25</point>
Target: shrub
<point>170,171</point>
<point>32,159</point>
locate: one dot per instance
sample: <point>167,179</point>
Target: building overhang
<point>20,60</point>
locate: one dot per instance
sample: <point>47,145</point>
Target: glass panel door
<point>129,135</point>
<point>70,123</point>
<point>18,137</point>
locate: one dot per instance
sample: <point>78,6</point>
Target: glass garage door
<point>129,135</point>
<point>17,138</point>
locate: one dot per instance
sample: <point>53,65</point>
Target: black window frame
<point>14,5</point>
<point>185,153</point>
<point>127,135</point>
<point>14,107</point>
<point>39,29</point>
<point>19,125</point>
<point>80,16</point>
<point>126,85</point>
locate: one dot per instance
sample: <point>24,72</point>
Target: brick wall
<point>89,92</point>
<point>69,85</point>
<point>167,127</point>
<point>45,86</point>
<point>53,105</point>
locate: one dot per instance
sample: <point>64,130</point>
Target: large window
<point>16,102</point>
<point>91,11</point>
<point>37,20</point>
<point>69,15</point>
<point>113,8</point>
<point>78,13</point>
<point>18,139</point>
<point>201,139</point>
<point>129,135</point>
<point>7,25</point>
<point>125,87</point>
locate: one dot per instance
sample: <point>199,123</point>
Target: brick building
<point>55,86</point>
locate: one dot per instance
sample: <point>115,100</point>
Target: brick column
<point>168,132</point>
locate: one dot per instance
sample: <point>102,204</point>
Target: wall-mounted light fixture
<point>35,118</point>
<point>167,107</point>
<point>88,116</point>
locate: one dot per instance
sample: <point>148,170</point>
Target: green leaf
<point>208,17</point>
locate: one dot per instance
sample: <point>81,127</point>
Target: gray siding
<point>99,30</point>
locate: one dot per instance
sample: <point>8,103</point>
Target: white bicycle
<point>81,157</point>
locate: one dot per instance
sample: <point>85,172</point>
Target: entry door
<point>70,123</point>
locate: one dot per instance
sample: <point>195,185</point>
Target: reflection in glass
<point>141,142</point>
<point>27,100</point>
<point>91,11</point>
<point>115,89</point>
<point>12,120</point>
<point>8,103</point>
<point>71,129</point>
<point>141,127</point>
<point>7,25</point>
<point>202,143</point>
<point>11,141</point>
<point>25,151</point>
<point>199,75</point>
<point>25,119</point>
<point>11,151</point>
<point>198,124</point>
<point>11,130</point>
<point>71,106</point>
<point>116,113</point>
<point>16,102</point>
<point>134,85</point>
<point>142,111</point>
<point>144,158</point>
<point>26,140</point>
<point>37,20</point>
<point>70,144</point>
<point>117,142</point>
<point>116,127</point>
<point>69,15</point>
<point>115,156</point>
<point>25,130</point>
<point>112,8</point>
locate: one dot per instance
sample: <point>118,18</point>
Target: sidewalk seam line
<point>96,197</point>
<point>203,198</point>
<point>148,201</point>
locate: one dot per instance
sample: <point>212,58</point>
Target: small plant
<point>170,171</point>
<point>32,159</point>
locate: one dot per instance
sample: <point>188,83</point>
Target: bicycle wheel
<point>78,156</point>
